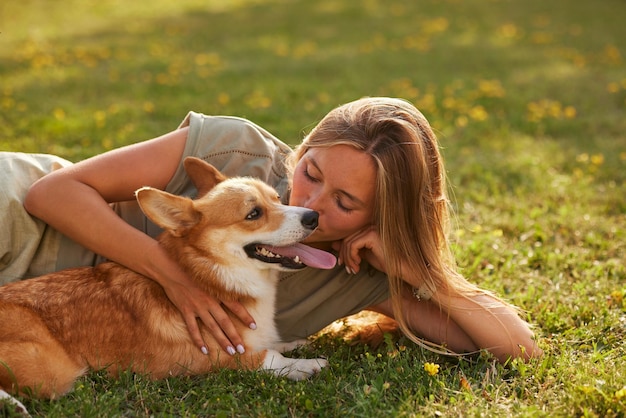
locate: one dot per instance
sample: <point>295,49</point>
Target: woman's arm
<point>492,325</point>
<point>463,323</point>
<point>75,200</point>
<point>468,324</point>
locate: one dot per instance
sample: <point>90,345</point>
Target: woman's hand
<point>463,323</point>
<point>193,303</point>
<point>361,245</point>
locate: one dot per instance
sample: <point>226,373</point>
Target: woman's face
<point>339,183</point>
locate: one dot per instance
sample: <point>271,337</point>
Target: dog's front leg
<point>284,347</point>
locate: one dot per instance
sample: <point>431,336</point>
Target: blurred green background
<point>528,99</point>
<point>80,77</point>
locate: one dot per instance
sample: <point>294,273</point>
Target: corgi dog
<point>232,240</point>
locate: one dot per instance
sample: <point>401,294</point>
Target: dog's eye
<point>254,214</point>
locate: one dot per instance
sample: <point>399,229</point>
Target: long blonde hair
<point>411,207</point>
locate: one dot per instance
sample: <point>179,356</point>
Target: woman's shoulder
<point>236,147</point>
<point>229,133</point>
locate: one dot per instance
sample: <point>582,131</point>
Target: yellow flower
<point>491,88</point>
<point>597,159</point>
<point>431,368</point>
<point>621,393</point>
<point>59,114</point>
<point>569,112</point>
<point>613,87</point>
<point>478,113</point>
<point>148,107</point>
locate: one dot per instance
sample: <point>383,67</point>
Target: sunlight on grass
<point>527,98</point>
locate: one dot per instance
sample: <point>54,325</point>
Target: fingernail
<point>240,349</point>
<point>339,261</point>
<point>204,350</point>
<point>253,325</point>
<point>348,270</point>
<point>230,350</point>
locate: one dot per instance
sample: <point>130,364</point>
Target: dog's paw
<point>12,405</point>
<point>292,368</point>
<point>305,368</point>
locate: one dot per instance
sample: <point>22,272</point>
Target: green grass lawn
<point>528,99</point>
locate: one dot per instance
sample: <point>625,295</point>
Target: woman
<point>373,171</point>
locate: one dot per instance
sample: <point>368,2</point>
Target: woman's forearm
<point>80,213</point>
<point>467,325</point>
<point>428,321</point>
<point>75,200</point>
<point>492,325</point>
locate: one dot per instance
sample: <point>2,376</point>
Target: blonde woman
<point>371,168</point>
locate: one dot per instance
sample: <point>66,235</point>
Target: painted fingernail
<point>240,349</point>
<point>253,325</point>
<point>230,350</point>
<point>204,350</point>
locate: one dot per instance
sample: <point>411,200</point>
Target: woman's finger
<point>364,244</point>
<point>194,304</point>
<point>221,327</point>
<point>241,312</point>
<point>194,332</point>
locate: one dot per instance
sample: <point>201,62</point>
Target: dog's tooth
<point>267,253</point>
<point>297,259</point>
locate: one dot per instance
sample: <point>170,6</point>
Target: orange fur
<point>56,327</point>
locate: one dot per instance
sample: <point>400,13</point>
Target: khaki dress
<point>307,300</point>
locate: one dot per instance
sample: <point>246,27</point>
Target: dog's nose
<point>309,219</point>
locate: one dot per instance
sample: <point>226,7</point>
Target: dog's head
<point>235,220</point>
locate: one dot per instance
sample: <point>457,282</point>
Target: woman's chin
<point>309,240</point>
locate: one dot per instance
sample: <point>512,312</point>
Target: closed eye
<point>309,176</point>
<point>341,206</point>
<point>255,213</point>
<point>312,179</point>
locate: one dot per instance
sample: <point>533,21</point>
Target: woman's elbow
<point>522,346</point>
<point>35,199</point>
<point>528,347</point>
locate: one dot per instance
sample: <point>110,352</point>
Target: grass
<point>528,98</point>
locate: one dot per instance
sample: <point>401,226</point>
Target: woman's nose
<point>313,202</point>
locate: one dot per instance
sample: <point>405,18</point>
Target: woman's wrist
<point>158,264</point>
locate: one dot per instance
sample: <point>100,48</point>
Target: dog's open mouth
<point>294,256</point>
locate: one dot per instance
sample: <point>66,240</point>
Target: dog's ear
<point>172,213</point>
<point>203,175</point>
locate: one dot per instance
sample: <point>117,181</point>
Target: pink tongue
<point>310,256</point>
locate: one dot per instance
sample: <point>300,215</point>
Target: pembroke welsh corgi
<point>232,240</point>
